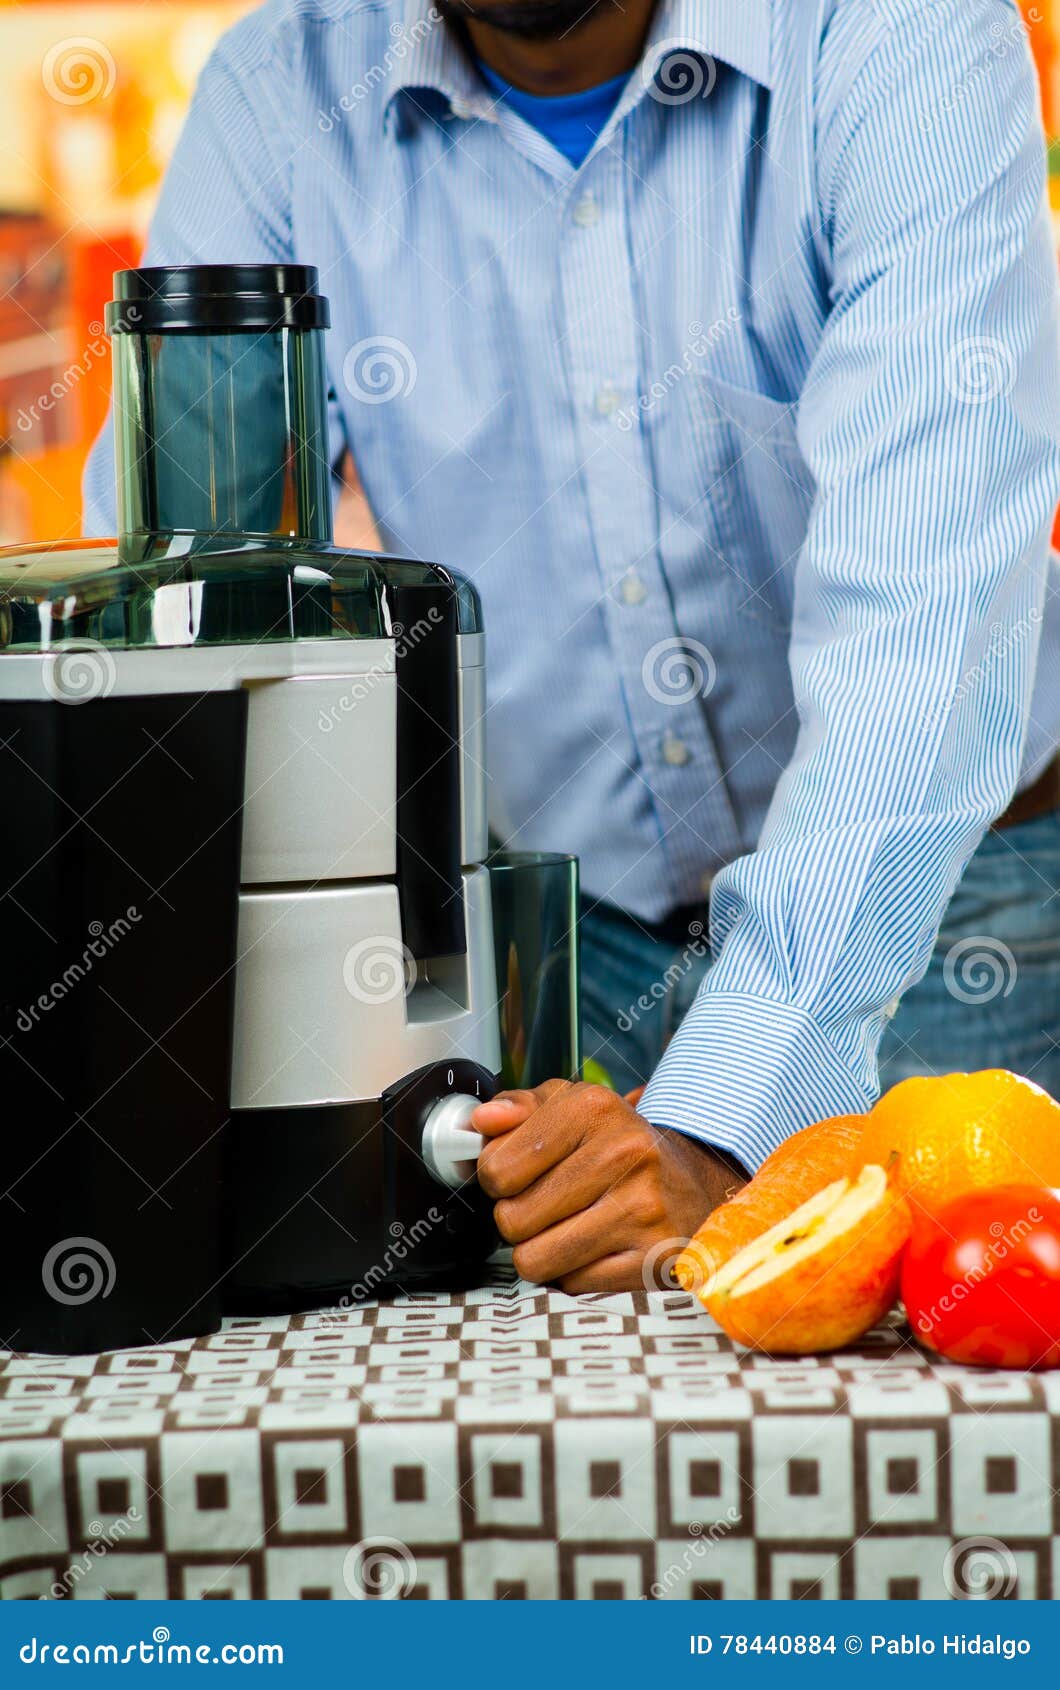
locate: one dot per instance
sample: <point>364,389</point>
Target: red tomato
<point>981,1280</point>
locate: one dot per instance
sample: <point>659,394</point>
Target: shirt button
<point>607,397</point>
<point>675,751</point>
<point>586,211</point>
<point>706,884</point>
<point>632,589</point>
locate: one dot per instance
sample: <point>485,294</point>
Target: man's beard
<point>534,20</point>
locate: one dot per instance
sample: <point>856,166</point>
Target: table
<point>511,1442</point>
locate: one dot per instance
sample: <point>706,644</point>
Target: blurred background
<point>91,100</point>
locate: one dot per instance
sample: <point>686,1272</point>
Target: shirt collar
<point>427,59</point>
<point>736,32</point>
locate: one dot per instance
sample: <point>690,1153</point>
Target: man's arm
<point>930,422</point>
<point>589,1193</point>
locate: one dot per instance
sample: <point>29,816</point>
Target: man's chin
<point>534,20</point>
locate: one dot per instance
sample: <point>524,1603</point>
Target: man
<point>717,341</point>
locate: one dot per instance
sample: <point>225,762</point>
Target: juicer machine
<point>249,983</point>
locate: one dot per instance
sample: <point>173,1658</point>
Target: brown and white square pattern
<point>703,1479</point>
<point>605,1573</point>
<point>119,1578</point>
<point>217,1581</point>
<point>606,1479</point>
<point>33,1520</point>
<point>308,1486</point>
<point>1002,1475</point>
<point>905,1480</point>
<point>801,1477</point>
<point>509,1484</point>
<point>516,1444</point>
<point>704,1568</point>
<point>211,1490</point>
<point>507,1570</point>
<point>113,1497</point>
<point>409,1482</point>
<point>800,1575</point>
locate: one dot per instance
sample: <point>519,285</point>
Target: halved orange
<point>820,1278</point>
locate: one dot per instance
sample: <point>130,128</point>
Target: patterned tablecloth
<point>513,1442</point>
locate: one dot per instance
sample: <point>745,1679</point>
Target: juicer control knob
<point>451,1147</point>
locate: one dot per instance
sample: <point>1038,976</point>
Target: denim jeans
<point>990,997</point>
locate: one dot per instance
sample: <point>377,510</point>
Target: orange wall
<point>91,100</point>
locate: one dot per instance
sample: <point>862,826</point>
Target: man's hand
<point>587,1189</point>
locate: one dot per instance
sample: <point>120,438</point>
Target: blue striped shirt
<point>747,431</point>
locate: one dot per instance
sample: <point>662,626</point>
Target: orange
<point>798,1168</point>
<point>960,1132</point>
<point>822,1276</point>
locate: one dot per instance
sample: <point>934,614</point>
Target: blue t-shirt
<point>570,121</point>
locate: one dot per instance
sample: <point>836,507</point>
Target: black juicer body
<point>216,1093</point>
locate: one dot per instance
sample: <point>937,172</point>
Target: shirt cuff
<point>744,1073</point>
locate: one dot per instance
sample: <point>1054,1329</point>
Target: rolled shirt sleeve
<point>929,421</point>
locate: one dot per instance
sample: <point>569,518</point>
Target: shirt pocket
<point>754,492</point>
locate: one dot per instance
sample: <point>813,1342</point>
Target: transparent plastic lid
<point>166,590</point>
<point>223,482</point>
